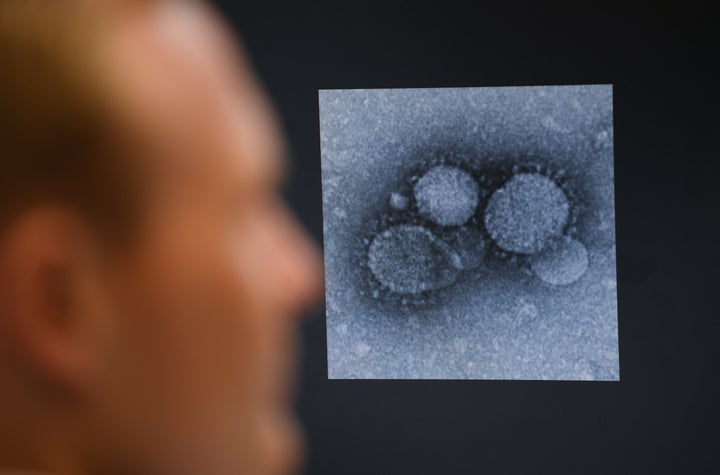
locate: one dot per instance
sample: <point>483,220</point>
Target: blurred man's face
<point>203,308</point>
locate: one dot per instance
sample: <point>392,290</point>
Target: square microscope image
<point>469,233</point>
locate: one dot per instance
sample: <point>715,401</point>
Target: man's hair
<point>56,131</point>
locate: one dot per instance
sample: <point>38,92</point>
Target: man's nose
<point>301,285</point>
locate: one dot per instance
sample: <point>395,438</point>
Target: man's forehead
<point>179,76</point>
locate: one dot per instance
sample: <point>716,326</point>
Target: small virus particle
<point>526,310</point>
<point>610,283</point>
<point>447,195</point>
<point>526,213</point>
<point>562,263</point>
<point>604,139</point>
<point>362,349</point>
<point>410,259</point>
<point>398,201</point>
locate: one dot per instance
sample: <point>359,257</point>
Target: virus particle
<point>410,259</point>
<point>561,263</point>
<point>526,213</point>
<point>398,201</point>
<point>447,195</point>
<point>470,246</point>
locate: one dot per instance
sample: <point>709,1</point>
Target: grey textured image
<point>469,233</point>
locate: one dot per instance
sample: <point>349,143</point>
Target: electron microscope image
<point>469,233</point>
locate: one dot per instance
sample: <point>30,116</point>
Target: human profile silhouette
<point>151,277</point>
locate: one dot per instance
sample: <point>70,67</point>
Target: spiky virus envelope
<point>469,233</point>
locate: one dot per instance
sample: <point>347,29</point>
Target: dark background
<point>662,417</point>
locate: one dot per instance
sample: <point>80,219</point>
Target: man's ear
<point>44,256</point>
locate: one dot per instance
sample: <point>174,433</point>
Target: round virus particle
<point>410,259</point>
<point>561,263</point>
<point>398,201</point>
<point>447,195</point>
<point>526,213</point>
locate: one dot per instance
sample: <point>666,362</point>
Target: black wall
<point>662,417</point>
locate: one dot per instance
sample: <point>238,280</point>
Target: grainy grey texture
<point>410,259</point>
<point>417,290</point>
<point>446,195</point>
<point>526,212</point>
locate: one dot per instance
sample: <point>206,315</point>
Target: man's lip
<point>287,381</point>
<point>292,385</point>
